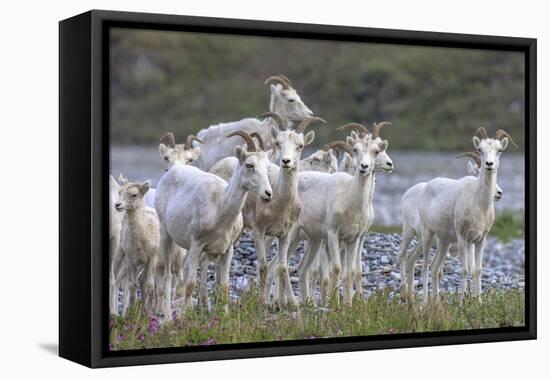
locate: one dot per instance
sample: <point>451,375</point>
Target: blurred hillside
<point>435,97</point>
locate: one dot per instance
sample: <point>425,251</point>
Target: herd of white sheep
<point>251,174</point>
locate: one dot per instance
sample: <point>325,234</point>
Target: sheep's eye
<point>249,166</point>
<point>315,161</point>
<point>166,158</point>
<point>133,195</point>
<point>278,144</point>
<point>376,153</point>
<point>301,146</point>
<point>189,160</point>
<point>290,100</point>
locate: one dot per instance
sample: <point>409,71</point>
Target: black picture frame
<point>84,164</point>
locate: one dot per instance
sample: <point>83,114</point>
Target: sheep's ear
<point>476,142</point>
<point>504,143</point>
<point>274,132</point>
<point>122,180</point>
<point>163,150</point>
<point>196,152</point>
<point>354,134</point>
<point>240,153</point>
<point>112,181</point>
<point>275,91</point>
<point>144,188</point>
<point>383,145</point>
<point>471,169</point>
<point>350,141</point>
<point>308,138</point>
<point>272,155</point>
<point>328,155</point>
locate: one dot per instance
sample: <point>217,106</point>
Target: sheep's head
<point>130,195</point>
<point>473,169</point>
<point>320,161</point>
<point>490,149</point>
<point>173,153</point>
<point>253,165</point>
<point>347,164</point>
<point>285,100</point>
<point>383,162</point>
<point>289,144</point>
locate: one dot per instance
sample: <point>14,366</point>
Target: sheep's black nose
<point>286,161</point>
<point>268,193</point>
<point>489,163</point>
<point>364,166</point>
<point>390,164</point>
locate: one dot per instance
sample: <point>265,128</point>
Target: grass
<point>508,225</point>
<point>249,321</point>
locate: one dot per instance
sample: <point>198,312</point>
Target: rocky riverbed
<point>503,265</point>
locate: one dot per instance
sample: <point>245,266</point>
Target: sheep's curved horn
<point>501,134</point>
<point>338,145</point>
<point>249,142</point>
<point>276,117</point>
<point>377,126</point>
<point>189,141</point>
<point>279,79</point>
<point>474,155</point>
<point>482,131</point>
<point>259,139</point>
<point>170,137</point>
<point>286,78</point>
<point>308,121</point>
<point>354,126</point>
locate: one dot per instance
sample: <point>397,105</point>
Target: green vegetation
<point>435,97</point>
<point>248,321</point>
<point>509,224</point>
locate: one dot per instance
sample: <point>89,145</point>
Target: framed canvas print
<point>234,188</point>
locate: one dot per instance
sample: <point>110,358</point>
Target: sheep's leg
<point>285,287</point>
<point>166,252</point>
<point>190,276</point>
<point>359,270</point>
<point>324,268</point>
<point>116,260</point>
<point>463,251</point>
<point>349,276</point>
<point>224,265</point>
<point>261,254</point>
<point>334,253</point>
<point>147,286</point>
<point>442,248</point>
<point>409,264</point>
<point>314,273</point>
<point>132,277</point>
<point>408,235</point>
<point>425,271</point>
<point>426,239</point>
<point>203,289</point>
<point>310,253</point>
<point>479,248</point>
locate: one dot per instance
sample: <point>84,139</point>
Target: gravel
<point>503,265</point>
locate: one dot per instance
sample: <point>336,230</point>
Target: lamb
<point>284,101</point>
<point>335,209</point>
<point>173,153</point>
<point>139,241</point>
<point>463,210</point>
<point>411,228</point>
<point>202,213</point>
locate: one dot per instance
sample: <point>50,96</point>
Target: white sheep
<point>411,228</point>
<point>335,209</point>
<point>202,213</point>
<point>284,101</point>
<point>139,241</point>
<point>172,153</point>
<point>463,210</point>
<point>354,272</point>
<point>322,160</point>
